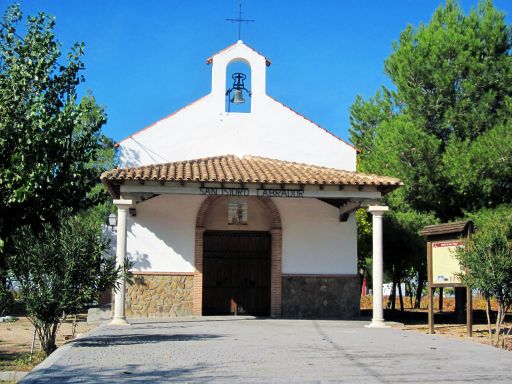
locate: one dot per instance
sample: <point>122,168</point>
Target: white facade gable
<point>204,128</point>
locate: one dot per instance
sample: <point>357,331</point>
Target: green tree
<point>487,261</point>
<point>404,251</point>
<point>444,129</point>
<point>488,218</point>
<point>49,137</point>
<point>366,116</point>
<point>59,271</point>
<point>453,75</point>
<point>453,78</point>
<point>364,239</point>
<point>480,170</point>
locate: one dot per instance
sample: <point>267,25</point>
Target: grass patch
<point>20,361</point>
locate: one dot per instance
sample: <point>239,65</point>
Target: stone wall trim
<point>326,275</point>
<point>151,273</point>
<point>321,296</point>
<point>156,295</point>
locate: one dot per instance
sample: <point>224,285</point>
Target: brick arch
<point>207,204</point>
<point>204,210</point>
<point>276,254</point>
<point>275,217</point>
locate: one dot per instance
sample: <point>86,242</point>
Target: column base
<point>119,321</point>
<point>377,324</point>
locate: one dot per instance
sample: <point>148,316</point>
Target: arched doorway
<point>238,267</point>
<point>236,273</point>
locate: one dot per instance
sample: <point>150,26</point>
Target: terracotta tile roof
<point>247,169</point>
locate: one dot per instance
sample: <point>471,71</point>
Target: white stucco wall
<point>258,218</point>
<point>204,129</point>
<point>161,238</point>
<point>314,240</point>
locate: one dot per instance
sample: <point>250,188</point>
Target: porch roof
<point>246,169</point>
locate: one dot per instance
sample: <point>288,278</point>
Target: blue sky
<point>146,59</point>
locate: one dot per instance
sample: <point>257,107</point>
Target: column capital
<point>378,210</point>
<point>123,204</point>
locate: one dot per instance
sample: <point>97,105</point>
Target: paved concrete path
<point>248,350</point>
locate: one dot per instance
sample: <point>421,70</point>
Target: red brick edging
<point>276,255</point>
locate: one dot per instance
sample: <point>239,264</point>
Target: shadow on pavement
<point>133,373</point>
<point>113,340</point>
<point>181,320</point>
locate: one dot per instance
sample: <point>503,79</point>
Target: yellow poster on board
<point>445,265</point>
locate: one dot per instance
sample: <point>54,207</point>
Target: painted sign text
<point>293,193</point>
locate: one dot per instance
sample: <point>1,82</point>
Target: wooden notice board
<point>443,268</point>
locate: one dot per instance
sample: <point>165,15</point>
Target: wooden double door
<point>236,273</point>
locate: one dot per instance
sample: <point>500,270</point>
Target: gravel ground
<point>246,350</point>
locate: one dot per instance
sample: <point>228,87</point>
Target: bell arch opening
<point>238,86</point>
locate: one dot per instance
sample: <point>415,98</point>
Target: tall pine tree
<point>444,128</point>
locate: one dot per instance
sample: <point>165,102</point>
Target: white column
<point>119,301</point>
<point>378,265</point>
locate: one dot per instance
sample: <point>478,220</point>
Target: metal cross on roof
<point>240,20</point>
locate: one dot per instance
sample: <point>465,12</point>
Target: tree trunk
<point>392,297</point>
<point>419,290</point>
<point>6,297</point>
<point>499,323</point>
<point>460,304</point>
<point>47,333</point>
<point>7,227</point>
<point>409,291</point>
<point>488,313</point>
<point>506,342</point>
<point>400,295</point>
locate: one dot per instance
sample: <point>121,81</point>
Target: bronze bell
<point>238,97</point>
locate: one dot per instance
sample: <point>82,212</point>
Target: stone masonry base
<point>303,296</point>
<point>160,295</point>
<point>321,296</point>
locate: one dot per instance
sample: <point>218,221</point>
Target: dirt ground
<point>16,340</point>
<point>445,322</point>
<point>459,331</point>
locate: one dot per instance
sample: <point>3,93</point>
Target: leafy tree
<point>446,72</point>
<point>444,129</point>
<point>59,271</point>
<point>364,236</point>
<point>366,116</point>
<point>404,251</point>
<point>488,218</point>
<point>403,150</point>
<point>413,159</point>
<point>106,159</point>
<point>50,139</point>
<point>487,262</point>
<point>480,170</point>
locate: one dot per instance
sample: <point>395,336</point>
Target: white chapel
<point>225,210</point>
